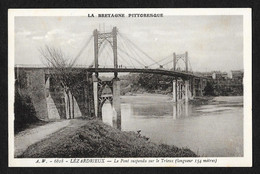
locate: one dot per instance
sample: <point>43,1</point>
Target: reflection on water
<point>180,110</point>
<point>215,129</point>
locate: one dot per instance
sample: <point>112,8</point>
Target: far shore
<point>145,97</point>
<point>154,98</point>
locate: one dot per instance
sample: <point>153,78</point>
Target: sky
<point>212,42</point>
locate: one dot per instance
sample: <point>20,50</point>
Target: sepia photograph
<point>130,87</point>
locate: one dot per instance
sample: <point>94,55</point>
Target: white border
<point>245,161</point>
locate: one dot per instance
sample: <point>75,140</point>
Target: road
<point>30,136</point>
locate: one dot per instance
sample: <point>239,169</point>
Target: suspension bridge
<point>126,56</point>
<point>114,52</point>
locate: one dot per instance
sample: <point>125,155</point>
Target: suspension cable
<point>86,60</point>
<point>166,63</point>
<point>125,60</point>
<point>126,47</point>
<point>82,49</point>
<point>165,58</point>
<point>131,57</point>
<point>106,58</point>
<point>137,47</point>
<point>131,49</point>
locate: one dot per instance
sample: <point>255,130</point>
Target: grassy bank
<point>92,138</point>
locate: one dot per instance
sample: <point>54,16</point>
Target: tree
<point>61,71</point>
<point>209,90</point>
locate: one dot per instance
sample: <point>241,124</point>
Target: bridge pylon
<point>99,39</point>
<point>183,88</point>
<point>114,85</point>
<point>184,57</point>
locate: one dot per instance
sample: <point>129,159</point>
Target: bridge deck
<point>139,70</point>
<point>133,70</point>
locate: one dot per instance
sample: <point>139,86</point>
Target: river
<point>214,129</point>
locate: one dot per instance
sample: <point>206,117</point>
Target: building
<point>237,75</point>
<point>217,75</point>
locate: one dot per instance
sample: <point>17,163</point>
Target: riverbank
<point>145,98</point>
<point>154,98</point>
<point>93,138</point>
<point>201,100</point>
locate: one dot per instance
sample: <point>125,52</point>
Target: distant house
<point>215,75</point>
<point>219,75</point>
<point>208,75</point>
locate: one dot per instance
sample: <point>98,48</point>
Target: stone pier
<point>116,104</point>
<point>174,90</point>
<point>187,91</point>
<point>95,91</point>
<point>193,88</point>
<point>114,99</point>
<point>181,90</point>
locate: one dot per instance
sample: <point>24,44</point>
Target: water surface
<point>214,129</point>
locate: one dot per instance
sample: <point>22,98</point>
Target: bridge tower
<point>114,85</point>
<point>99,39</point>
<point>181,87</point>
<point>184,57</point>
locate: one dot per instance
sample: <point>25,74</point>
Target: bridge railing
<point>123,66</point>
